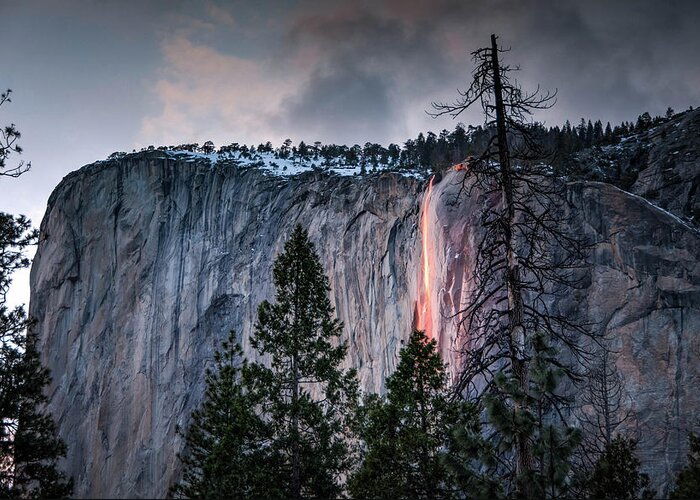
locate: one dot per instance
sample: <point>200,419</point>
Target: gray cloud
<point>368,70</point>
<point>338,104</point>
<point>609,60</point>
<point>343,71</point>
<point>360,68</point>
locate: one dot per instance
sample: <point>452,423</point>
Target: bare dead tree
<point>9,135</point>
<point>602,409</point>
<point>527,255</point>
<point>604,404</point>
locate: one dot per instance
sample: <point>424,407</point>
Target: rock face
<point>660,164</point>
<point>642,292</point>
<point>145,263</point>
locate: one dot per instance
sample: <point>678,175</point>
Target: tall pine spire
<point>304,394</point>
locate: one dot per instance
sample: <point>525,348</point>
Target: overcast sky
<point>93,77</point>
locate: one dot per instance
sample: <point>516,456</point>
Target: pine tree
<point>608,133</point>
<point>472,461</point>
<point>616,474</point>
<point>223,455</point>
<point>9,135</point>
<point>644,121</point>
<point>535,417</point>
<point>404,432</point>
<point>590,134</point>
<point>688,481</point>
<point>29,450</point>
<point>598,134</point>
<point>304,395</point>
<point>34,448</point>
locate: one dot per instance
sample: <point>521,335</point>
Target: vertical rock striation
<point>146,264</point>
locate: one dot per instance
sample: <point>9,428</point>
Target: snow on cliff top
<point>273,164</point>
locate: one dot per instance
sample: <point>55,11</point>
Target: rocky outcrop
<point>145,263</point>
<point>660,164</point>
<point>669,176</point>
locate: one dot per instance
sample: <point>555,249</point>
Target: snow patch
<point>273,164</point>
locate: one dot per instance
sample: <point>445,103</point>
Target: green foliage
<point>16,235</point>
<point>616,473</point>
<point>33,447</point>
<point>277,430</point>
<point>405,432</point>
<point>481,458</point>
<point>29,450</point>
<point>688,481</point>
<point>225,438</point>
<point>472,461</point>
<point>554,442</point>
<point>304,397</point>
<point>533,417</point>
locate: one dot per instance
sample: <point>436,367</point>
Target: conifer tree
<point>303,394</point>
<point>473,463</point>
<point>223,455</point>
<point>29,449</point>
<point>33,448</point>
<point>616,474</point>
<point>405,432</point>
<point>528,416</point>
<point>688,481</point>
<point>9,135</point>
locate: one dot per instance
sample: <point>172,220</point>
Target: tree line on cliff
<point>430,152</point>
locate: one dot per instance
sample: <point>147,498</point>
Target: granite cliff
<point>148,260</point>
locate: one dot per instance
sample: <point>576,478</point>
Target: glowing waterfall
<point>424,316</point>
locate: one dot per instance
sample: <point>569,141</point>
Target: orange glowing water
<point>424,310</point>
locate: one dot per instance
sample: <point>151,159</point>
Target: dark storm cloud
<point>609,60</point>
<point>361,66</point>
<point>614,59</point>
<point>368,70</point>
<point>362,53</point>
<point>342,104</point>
<point>336,71</point>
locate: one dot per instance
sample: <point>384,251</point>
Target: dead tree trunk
<point>516,329</point>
